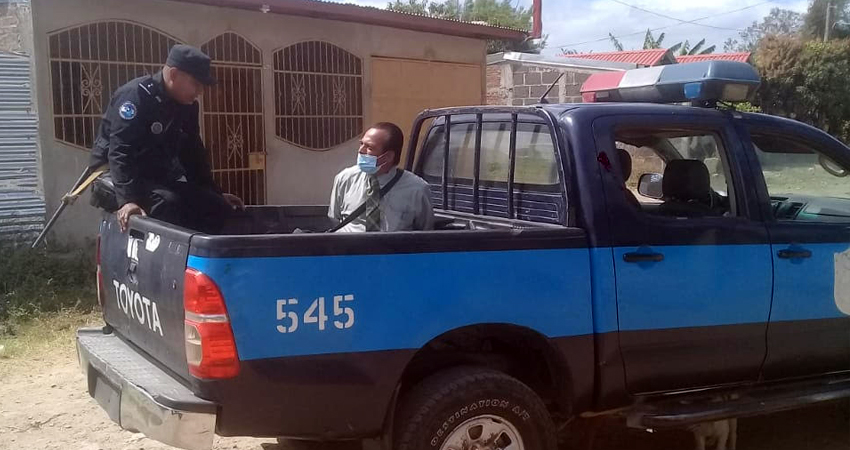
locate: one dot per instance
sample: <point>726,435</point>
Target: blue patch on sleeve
<point>127,111</point>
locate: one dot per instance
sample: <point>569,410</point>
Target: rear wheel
<point>473,408</point>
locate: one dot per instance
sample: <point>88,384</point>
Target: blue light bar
<point>729,81</point>
<point>693,91</point>
<point>704,81</point>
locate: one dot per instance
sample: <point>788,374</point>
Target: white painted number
<point>338,311</point>
<point>316,313</point>
<point>309,316</point>
<point>282,314</point>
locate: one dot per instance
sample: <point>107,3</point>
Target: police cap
<point>192,61</point>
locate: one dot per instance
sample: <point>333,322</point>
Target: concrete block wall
<point>15,28</point>
<point>518,84</point>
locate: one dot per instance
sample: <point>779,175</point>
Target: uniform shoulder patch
<point>127,111</point>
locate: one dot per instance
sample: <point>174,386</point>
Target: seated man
<point>405,205</point>
<point>150,138</point>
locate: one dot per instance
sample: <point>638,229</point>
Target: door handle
<point>794,253</point>
<point>643,257</point>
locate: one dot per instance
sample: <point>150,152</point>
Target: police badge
<point>127,111</point>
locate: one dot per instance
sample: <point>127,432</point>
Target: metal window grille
<point>318,95</point>
<point>233,117</point>
<point>89,62</point>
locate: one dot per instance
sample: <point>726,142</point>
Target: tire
<point>464,404</point>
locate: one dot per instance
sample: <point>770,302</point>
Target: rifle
<point>86,178</point>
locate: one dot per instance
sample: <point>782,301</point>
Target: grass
<point>44,296</point>
<point>42,332</point>
<point>35,281</point>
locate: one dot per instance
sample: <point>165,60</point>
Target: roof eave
<point>373,16</point>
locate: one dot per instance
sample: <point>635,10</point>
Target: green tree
<point>685,48</point>
<point>815,21</point>
<point>806,80</point>
<point>492,12</point>
<point>778,22</point>
<point>618,46</point>
<point>650,42</point>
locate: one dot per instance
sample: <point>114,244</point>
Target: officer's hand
<point>234,201</point>
<point>126,211</point>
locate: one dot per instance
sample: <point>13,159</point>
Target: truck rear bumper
<point>141,397</point>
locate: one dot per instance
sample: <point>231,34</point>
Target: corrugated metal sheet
<point>350,12</point>
<point>566,61</point>
<point>22,207</point>
<point>645,58</point>
<point>740,57</point>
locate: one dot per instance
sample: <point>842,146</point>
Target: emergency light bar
<point>704,81</point>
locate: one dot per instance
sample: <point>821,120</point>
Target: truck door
<point>692,259</point>
<point>808,218</point>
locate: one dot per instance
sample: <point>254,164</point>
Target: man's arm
<point>126,137</point>
<point>425,211</point>
<point>335,206</point>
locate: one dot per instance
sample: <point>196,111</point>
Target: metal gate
<point>233,117</point>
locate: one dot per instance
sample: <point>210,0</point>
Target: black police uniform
<point>156,157</point>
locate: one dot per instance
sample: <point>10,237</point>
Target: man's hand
<point>234,201</point>
<point>130,209</point>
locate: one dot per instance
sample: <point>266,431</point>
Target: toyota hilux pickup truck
<point>671,264</point>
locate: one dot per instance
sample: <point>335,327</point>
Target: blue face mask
<point>368,164</point>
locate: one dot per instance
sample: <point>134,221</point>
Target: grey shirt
<point>407,206</point>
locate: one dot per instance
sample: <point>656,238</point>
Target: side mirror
<point>650,185</point>
<point>832,167</point>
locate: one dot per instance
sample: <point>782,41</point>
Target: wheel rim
<point>484,433</point>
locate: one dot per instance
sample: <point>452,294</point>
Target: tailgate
<point>141,397</point>
<point>143,273</point>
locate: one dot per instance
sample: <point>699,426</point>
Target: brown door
<point>402,88</point>
<point>233,118</point>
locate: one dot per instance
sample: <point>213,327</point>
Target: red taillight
<point>210,347</point>
<point>100,290</point>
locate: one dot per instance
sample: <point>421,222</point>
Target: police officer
<point>150,138</point>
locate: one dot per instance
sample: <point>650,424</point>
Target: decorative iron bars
<point>89,62</point>
<point>233,117</point>
<point>318,95</point>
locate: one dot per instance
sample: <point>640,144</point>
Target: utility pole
<point>826,25</point>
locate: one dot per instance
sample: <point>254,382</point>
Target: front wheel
<point>472,408</point>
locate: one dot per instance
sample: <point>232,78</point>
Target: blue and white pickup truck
<point>671,264</point>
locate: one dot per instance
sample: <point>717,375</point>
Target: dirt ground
<point>44,406</point>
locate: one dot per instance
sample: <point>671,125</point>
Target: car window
<point>798,182</point>
<point>704,148</point>
<point>693,161</point>
<point>643,160</point>
<point>536,164</point>
<point>537,194</point>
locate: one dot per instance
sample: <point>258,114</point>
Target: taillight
<point>100,290</point>
<point>210,347</point>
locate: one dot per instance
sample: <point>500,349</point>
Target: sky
<point>584,25</point>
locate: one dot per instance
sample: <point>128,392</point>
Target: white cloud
<point>576,21</point>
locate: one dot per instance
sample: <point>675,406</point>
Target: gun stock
<point>67,199</point>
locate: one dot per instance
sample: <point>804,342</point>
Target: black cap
<point>192,61</point>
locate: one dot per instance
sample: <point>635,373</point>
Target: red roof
<point>652,57</point>
<point>740,57</point>
<point>374,16</point>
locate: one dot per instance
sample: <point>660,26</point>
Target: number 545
<point>289,318</point>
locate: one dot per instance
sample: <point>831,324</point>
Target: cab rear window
<point>536,164</point>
